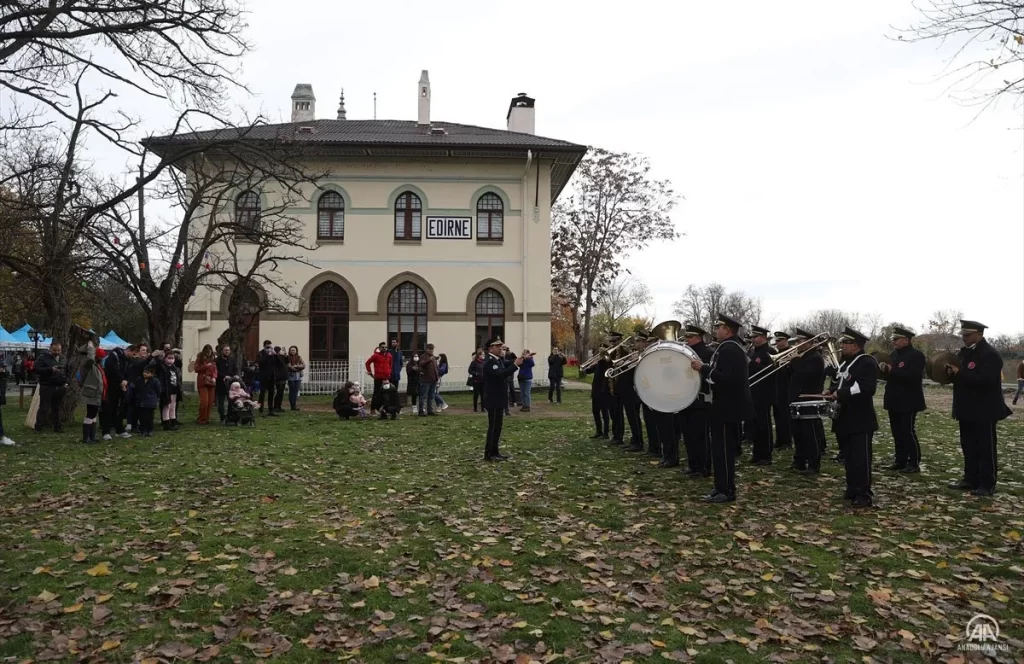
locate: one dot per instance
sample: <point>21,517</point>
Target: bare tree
<point>621,297</point>
<point>164,263</point>
<point>988,41</point>
<point>616,207</point>
<point>699,305</point>
<point>831,321</point>
<point>171,49</point>
<point>945,321</point>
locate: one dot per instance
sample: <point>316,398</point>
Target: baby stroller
<point>240,411</point>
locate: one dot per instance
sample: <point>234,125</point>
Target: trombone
<point>781,360</point>
<point>604,354</point>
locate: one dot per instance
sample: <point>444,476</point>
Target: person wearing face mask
<point>978,403</point>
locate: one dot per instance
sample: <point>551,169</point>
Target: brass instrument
<point>935,366</point>
<point>882,358</point>
<point>604,353</point>
<point>780,360</point>
<point>666,331</point>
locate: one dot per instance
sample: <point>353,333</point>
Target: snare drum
<point>664,379</point>
<point>809,410</point>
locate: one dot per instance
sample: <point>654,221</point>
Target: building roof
<point>398,138</point>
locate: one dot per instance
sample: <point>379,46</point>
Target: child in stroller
<point>241,407</point>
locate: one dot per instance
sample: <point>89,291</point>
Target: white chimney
<point>423,117</point>
<point>521,114</point>
<point>303,103</point>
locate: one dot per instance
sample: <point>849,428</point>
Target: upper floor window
<point>247,211</point>
<point>489,217</point>
<point>331,217</point>
<point>408,212</point>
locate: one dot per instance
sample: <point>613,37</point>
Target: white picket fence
<point>326,376</point>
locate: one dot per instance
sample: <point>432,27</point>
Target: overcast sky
<point>823,165</point>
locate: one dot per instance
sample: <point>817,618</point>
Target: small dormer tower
<point>341,105</point>
<point>423,117</point>
<point>303,103</point>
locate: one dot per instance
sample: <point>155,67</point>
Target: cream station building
<point>425,231</point>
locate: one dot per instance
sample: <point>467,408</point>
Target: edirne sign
<point>449,228</point>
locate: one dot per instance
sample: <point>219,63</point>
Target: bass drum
<point>664,379</point>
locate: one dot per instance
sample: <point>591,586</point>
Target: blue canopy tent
<point>8,342</point>
<point>21,335</point>
<point>112,340</point>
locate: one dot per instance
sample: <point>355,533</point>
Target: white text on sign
<point>449,228</point>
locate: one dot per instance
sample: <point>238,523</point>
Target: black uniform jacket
<point>703,400</point>
<point>977,388</point>
<point>600,385</point>
<point>807,376</point>
<point>855,391</point>
<point>766,392</point>
<point>495,372</point>
<point>782,377</point>
<point>904,389</point>
<point>730,384</point>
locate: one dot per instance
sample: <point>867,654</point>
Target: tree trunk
<point>165,325</point>
<point>58,313</point>
<point>234,337</point>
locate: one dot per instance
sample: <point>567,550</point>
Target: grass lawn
<point>307,539</point>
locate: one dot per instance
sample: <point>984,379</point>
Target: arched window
<point>328,322</point>
<point>408,210</point>
<point>407,317</point>
<point>247,211</point>
<point>331,217</point>
<point>490,316</point>
<point>490,217</point>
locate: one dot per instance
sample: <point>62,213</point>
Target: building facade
<point>421,231</point>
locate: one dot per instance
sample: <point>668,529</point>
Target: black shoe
<point>295,409</point>
<point>58,429</point>
<point>605,435</point>
<point>394,416</point>
<point>961,485</point>
<point>910,469</point>
<point>382,416</point>
<point>786,446</point>
<point>720,498</point>
<point>896,466</point>
<point>810,472</point>
<point>763,462</point>
<point>860,502</point>
<point>669,464</point>
<point>839,458</point>
<point>596,435</point>
<point>635,448</point>
<point>983,492</point>
<point>502,457</point>
<point>272,414</point>
<point>655,453</point>
<point>617,441</point>
<point>798,469</point>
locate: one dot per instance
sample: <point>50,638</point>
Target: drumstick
<point>819,396</point>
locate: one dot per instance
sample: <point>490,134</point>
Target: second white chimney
<point>521,114</point>
<point>303,103</point>
<point>423,117</point>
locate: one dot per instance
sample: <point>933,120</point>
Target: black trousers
<point>495,419</point>
<point>267,388</point>
<point>50,397</point>
<point>808,437</point>
<point>478,395</point>
<point>281,387</point>
<point>904,437</point>
<point>377,400</point>
<point>222,400</point>
<point>725,440</point>
<point>111,416</point>
<point>783,425</point>
<point>764,438</point>
<point>145,419</point>
<point>858,451</point>
<point>599,408</point>
<point>654,442</point>
<point>978,442</point>
<point>696,441</point>
<point>636,430</point>
<point>667,435</point>
<point>617,417</point>
<point>555,389</point>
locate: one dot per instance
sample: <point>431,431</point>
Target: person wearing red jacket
<point>378,367</point>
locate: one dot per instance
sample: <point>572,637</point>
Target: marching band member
<point>731,404</point>
<point>904,399</point>
<point>599,393</point>
<point>765,395</point>
<point>780,411</point>
<point>856,422</point>
<point>977,405</point>
<point>494,372</point>
<point>694,422</point>
<point>625,387</point>
<point>615,403</point>
<point>807,378</point>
